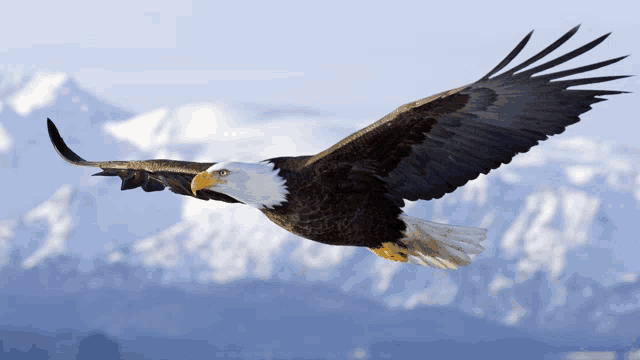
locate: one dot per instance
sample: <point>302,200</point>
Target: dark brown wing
<point>150,175</point>
<point>430,147</point>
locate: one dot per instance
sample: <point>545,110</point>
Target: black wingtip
<point>509,57</point>
<point>61,148</point>
<point>105,173</point>
<point>53,131</point>
<point>573,31</point>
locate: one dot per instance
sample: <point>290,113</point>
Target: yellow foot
<point>391,251</point>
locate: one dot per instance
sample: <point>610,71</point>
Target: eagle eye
<point>223,172</point>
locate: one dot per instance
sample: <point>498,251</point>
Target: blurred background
<point>87,269</point>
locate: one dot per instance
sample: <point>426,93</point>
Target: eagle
<point>352,193</point>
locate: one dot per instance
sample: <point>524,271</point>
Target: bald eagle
<point>352,193</point>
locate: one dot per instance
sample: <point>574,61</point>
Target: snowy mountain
<point>560,271</point>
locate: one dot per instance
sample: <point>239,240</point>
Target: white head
<point>255,184</point>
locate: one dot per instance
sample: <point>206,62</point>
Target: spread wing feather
<point>150,175</point>
<point>430,147</point>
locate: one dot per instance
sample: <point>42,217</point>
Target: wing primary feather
<point>586,81</point>
<point>544,52</point>
<point>564,58</point>
<point>105,173</point>
<point>565,73</point>
<point>62,148</point>
<point>509,57</point>
<point>587,93</point>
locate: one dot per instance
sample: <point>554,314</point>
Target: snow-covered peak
<point>55,212</point>
<point>212,132</point>
<point>141,130</point>
<point>41,91</point>
<point>6,140</point>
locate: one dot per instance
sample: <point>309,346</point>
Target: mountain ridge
<point>560,249</point>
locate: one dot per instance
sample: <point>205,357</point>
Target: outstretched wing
<point>150,175</point>
<point>432,146</point>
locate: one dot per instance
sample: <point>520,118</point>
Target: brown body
<point>321,200</point>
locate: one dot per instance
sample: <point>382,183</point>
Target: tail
<point>432,244</point>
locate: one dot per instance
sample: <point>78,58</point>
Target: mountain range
<point>82,260</point>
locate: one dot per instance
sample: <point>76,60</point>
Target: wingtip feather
<point>509,57</point>
<point>61,147</point>
<point>575,29</point>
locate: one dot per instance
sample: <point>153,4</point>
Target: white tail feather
<point>441,245</point>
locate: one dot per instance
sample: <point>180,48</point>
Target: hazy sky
<point>355,60</point>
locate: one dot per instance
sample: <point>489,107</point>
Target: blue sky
<point>355,60</point>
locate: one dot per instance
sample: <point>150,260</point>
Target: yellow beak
<point>201,181</point>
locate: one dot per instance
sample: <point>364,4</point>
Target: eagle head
<point>255,184</point>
